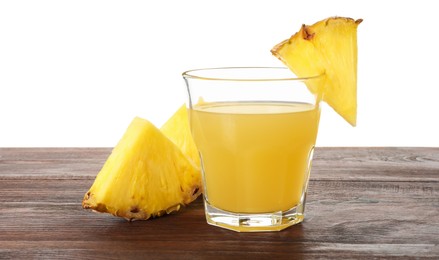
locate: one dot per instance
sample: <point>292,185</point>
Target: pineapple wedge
<point>177,129</point>
<point>145,176</point>
<point>327,47</point>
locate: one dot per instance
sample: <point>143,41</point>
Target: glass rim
<point>192,74</point>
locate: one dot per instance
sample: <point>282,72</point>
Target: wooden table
<point>362,203</point>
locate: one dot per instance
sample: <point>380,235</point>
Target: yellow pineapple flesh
<point>146,175</point>
<point>327,47</point>
<point>177,129</point>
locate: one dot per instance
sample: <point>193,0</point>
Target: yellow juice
<point>255,155</point>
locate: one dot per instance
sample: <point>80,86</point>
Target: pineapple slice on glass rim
<point>327,47</point>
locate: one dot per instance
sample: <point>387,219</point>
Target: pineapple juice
<point>255,155</point>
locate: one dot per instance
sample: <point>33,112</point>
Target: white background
<point>75,73</point>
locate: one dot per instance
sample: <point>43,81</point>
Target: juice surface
<point>255,155</point>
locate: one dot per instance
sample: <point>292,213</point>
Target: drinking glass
<point>255,129</point>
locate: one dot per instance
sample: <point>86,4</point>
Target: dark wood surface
<point>363,203</point>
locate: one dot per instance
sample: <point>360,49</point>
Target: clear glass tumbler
<point>255,129</point>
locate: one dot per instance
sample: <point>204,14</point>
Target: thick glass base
<point>258,222</point>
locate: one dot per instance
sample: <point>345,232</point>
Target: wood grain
<point>363,203</point>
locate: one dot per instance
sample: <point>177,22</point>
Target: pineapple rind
<point>145,176</point>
